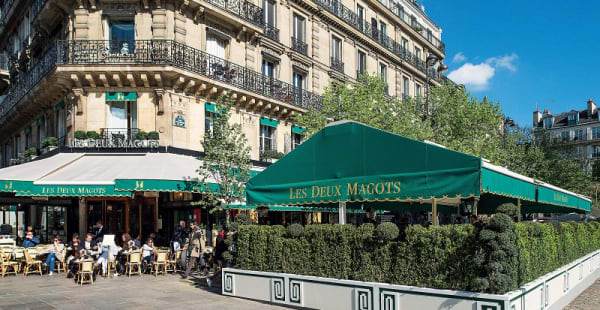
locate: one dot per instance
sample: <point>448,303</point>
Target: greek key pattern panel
<point>363,299</point>
<point>228,285</point>
<point>277,290</point>
<point>482,305</point>
<point>296,294</point>
<point>389,301</point>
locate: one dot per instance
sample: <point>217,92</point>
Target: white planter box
<point>551,291</point>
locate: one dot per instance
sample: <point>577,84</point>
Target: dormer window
<point>573,118</point>
<point>548,122</point>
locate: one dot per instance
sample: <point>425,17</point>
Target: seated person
<point>30,241</point>
<point>147,253</point>
<point>89,244</point>
<point>55,252</point>
<point>108,252</point>
<point>76,252</point>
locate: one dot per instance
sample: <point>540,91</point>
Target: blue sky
<point>522,52</point>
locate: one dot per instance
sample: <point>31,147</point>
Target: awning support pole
<point>342,213</point>
<point>434,214</point>
<point>519,210</point>
<point>475,206</point>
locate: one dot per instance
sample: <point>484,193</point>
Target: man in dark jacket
<point>181,233</point>
<point>100,234</point>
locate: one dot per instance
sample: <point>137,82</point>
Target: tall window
<point>565,135</point>
<point>417,53</point>
<point>362,63</point>
<point>209,119</point>
<point>41,132</point>
<point>573,118</point>
<point>547,122</point>
<point>579,135</point>
<point>298,80</point>
<point>297,139</point>
<point>596,151</point>
<point>418,90</point>
<point>17,146</point>
<point>269,8</point>
<point>269,68</point>
<point>27,140</point>
<point>121,33</point>
<point>405,87</point>
<point>404,45</point>
<point>298,28</point>
<point>360,12</point>
<point>596,133</point>
<point>122,115</point>
<point>215,46</point>
<point>382,30</point>
<point>61,123</point>
<point>336,48</point>
<point>267,134</point>
<point>383,72</point>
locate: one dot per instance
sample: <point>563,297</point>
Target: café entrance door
<point>110,212</point>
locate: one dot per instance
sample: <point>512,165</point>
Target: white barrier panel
<point>551,291</point>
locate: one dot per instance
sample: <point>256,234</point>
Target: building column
<point>519,210</point>
<point>342,213</point>
<point>82,217</point>
<point>434,213</point>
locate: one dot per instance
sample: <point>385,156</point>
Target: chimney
<point>591,108</point>
<point>537,117</point>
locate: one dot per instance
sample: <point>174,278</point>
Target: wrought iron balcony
<point>271,32</point>
<point>243,9</point>
<point>337,64</point>
<point>154,52</point>
<point>5,10</point>
<point>299,46</point>
<point>36,8</point>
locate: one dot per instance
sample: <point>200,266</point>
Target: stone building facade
<point>120,67</point>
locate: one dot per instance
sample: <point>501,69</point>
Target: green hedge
<point>495,258</point>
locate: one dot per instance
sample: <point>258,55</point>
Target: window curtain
<point>122,31</point>
<point>215,46</point>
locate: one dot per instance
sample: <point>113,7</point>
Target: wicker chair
<point>31,265</point>
<point>159,265</point>
<point>61,264</point>
<point>134,263</point>
<point>172,262</point>
<point>6,265</point>
<point>86,272</point>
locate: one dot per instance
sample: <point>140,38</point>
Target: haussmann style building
<point>114,97</point>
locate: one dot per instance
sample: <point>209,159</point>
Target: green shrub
<point>92,135</point>
<point>387,232</point>
<point>295,230</point>
<point>50,141</point>
<point>141,135</point>
<point>509,209</point>
<point>80,135</point>
<point>153,135</point>
<point>243,219</point>
<point>32,151</point>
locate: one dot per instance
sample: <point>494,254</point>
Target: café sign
<point>113,143</point>
<point>72,190</point>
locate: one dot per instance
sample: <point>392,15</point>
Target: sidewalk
<point>588,300</point>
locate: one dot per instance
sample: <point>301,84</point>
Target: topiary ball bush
<point>153,135</point>
<point>141,135</point>
<point>501,222</point>
<point>92,135</point>
<point>295,230</point>
<point>80,135</point>
<point>365,231</point>
<point>387,231</point>
<point>507,208</point>
<point>243,219</point>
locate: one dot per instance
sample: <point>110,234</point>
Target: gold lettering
<point>291,193</point>
<point>328,193</point>
<point>314,187</point>
<point>377,190</point>
<point>370,188</point>
<point>352,190</point>
<point>362,190</point>
<point>304,193</point>
<point>323,191</point>
<point>338,190</point>
<point>396,187</point>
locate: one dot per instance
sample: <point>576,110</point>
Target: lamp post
<point>508,122</point>
<point>431,61</point>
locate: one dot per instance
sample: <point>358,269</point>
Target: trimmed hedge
<point>495,258</point>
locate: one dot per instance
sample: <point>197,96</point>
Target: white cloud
<point>477,77</point>
<point>506,62</point>
<point>459,57</point>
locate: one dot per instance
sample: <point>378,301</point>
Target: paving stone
<point>588,300</point>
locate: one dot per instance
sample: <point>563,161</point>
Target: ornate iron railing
<point>3,62</point>
<point>118,134</point>
<point>155,52</point>
<point>299,46</point>
<point>398,10</point>
<point>36,8</point>
<point>271,32</point>
<point>5,9</point>
<point>337,64</point>
<point>242,9</point>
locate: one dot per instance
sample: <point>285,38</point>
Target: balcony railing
<point>5,9</point>
<point>155,52</point>
<point>271,32</point>
<point>36,8</point>
<point>3,62</point>
<point>337,64</point>
<point>118,135</point>
<point>299,46</point>
<point>398,10</point>
<point>242,9</point>
<point>336,8</point>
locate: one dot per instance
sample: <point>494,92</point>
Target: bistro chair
<point>172,262</point>
<point>33,252</point>
<point>111,265</point>
<point>160,262</point>
<point>86,272</point>
<point>134,263</point>
<point>31,265</point>
<point>61,265</point>
<point>6,265</point>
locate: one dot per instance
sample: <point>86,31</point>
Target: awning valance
<point>501,181</point>
<point>268,122</point>
<point>119,96</point>
<point>298,130</point>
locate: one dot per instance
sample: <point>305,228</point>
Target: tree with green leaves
<point>225,168</point>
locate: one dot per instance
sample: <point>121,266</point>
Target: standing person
<point>220,248</point>
<point>55,252</point>
<point>100,233</point>
<point>179,236</point>
<point>195,247</point>
<point>30,241</point>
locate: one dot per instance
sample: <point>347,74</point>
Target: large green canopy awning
<point>359,165</point>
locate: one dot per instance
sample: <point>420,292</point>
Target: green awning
<point>497,183</point>
<point>298,130</point>
<point>163,186</point>
<point>210,107</point>
<point>59,106</point>
<point>268,122</point>
<point>351,162</point>
<point>40,121</point>
<point>70,190</point>
<point>119,96</point>
<point>548,194</point>
<point>14,186</point>
<point>27,130</point>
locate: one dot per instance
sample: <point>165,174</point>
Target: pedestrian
<point>220,248</point>
<point>179,236</point>
<point>194,246</point>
